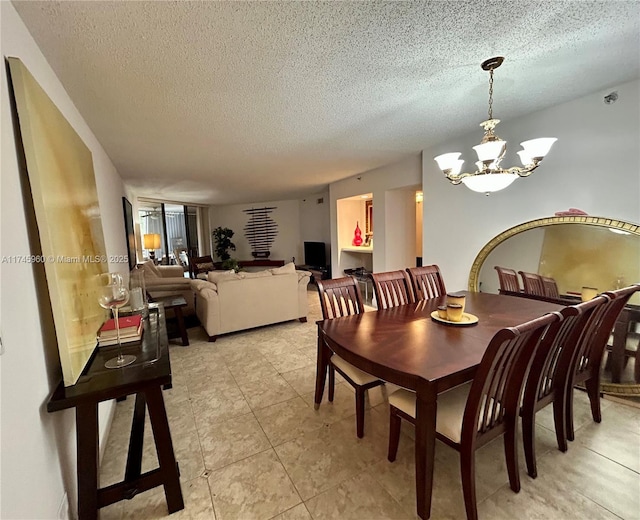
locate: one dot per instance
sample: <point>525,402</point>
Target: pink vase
<point>357,236</point>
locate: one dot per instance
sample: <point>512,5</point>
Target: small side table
<point>176,302</point>
<point>145,378</point>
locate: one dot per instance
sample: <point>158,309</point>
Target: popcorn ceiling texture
<point>230,102</point>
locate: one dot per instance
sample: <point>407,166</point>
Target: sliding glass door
<point>175,229</point>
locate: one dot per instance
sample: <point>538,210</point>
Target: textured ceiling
<point>229,102</point>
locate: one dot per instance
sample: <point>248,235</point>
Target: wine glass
<point>113,295</point>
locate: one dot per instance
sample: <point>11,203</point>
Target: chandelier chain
<point>491,94</point>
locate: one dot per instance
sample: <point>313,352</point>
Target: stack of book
<point>130,330</point>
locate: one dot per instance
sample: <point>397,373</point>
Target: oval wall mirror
<point>576,251</point>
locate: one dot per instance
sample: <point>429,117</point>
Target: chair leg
<point>468,474</point>
<point>394,434</point>
<point>332,382</point>
<point>593,391</point>
<point>559,423</point>
<point>511,456</point>
<point>360,412</point>
<point>528,440</point>
<point>568,413</point>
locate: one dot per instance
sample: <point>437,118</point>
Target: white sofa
<point>228,301</point>
<point>166,280</point>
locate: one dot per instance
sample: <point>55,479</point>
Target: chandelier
<point>489,176</point>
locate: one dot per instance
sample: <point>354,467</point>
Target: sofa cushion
<point>256,274</point>
<point>285,269</point>
<point>219,276</point>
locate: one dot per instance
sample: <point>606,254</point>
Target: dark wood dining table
<point>404,346</point>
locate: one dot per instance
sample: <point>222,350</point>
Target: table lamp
<point>151,242</point>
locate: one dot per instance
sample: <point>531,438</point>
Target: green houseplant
<point>223,244</point>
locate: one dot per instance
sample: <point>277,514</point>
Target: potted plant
<point>222,239</point>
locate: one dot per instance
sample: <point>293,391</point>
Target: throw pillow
<point>285,269</point>
<point>257,274</point>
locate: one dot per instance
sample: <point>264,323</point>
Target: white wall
<point>287,215</point>
<point>594,166</point>
<point>400,215</point>
<point>298,221</point>
<point>403,174</point>
<point>38,448</point>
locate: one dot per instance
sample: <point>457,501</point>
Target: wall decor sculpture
<point>65,201</point>
<point>261,231</point>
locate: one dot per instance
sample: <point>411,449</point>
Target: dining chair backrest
<point>532,283</point>
<point>200,264</point>
<point>392,288</point>
<point>552,361</point>
<point>597,331</point>
<point>550,287</point>
<point>497,385</point>
<point>426,282</point>
<point>550,373</point>
<point>508,279</point>
<point>340,297</point>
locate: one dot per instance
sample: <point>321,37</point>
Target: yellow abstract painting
<point>65,200</point>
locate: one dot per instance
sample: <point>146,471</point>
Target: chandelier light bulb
<point>489,176</point>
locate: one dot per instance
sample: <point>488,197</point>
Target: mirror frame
<point>474,275</point>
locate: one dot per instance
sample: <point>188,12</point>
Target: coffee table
<point>175,302</point>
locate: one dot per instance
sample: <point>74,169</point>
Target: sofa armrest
<point>171,271</point>
<point>200,285</point>
<point>168,284</point>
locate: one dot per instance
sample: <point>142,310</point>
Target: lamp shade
<point>151,241</point>
<point>488,183</point>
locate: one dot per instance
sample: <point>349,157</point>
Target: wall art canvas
<point>65,200</point>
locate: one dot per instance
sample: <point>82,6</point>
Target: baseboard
<point>622,400</point>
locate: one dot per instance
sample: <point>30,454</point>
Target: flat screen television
<point>315,254</point>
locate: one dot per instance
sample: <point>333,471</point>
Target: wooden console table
<point>145,378</point>
<point>261,263</point>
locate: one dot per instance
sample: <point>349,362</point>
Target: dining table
<point>405,346</point>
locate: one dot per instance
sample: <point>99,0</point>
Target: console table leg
<point>87,445</point>
<point>164,448</point>
<point>134,457</point>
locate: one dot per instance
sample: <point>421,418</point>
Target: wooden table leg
<point>426,408</point>
<point>134,457</point>
<point>164,447</point>
<point>181,325</point>
<point>87,446</point>
<point>321,371</point>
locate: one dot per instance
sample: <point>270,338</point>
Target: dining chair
<point>341,297</point>
<point>549,375</point>
<point>508,279</point>
<point>391,289</point>
<point>532,283</point>
<point>427,282</point>
<point>472,414</point>
<point>589,354</point>
<point>200,265</point>
<point>550,287</point>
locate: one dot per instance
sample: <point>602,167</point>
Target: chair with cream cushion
<point>341,297</point>
<point>472,414</point>
<point>168,280</point>
<point>591,351</point>
<point>549,374</point>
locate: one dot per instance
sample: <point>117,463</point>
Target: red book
<point>129,326</point>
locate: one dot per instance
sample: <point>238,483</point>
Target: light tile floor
<point>251,446</point>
